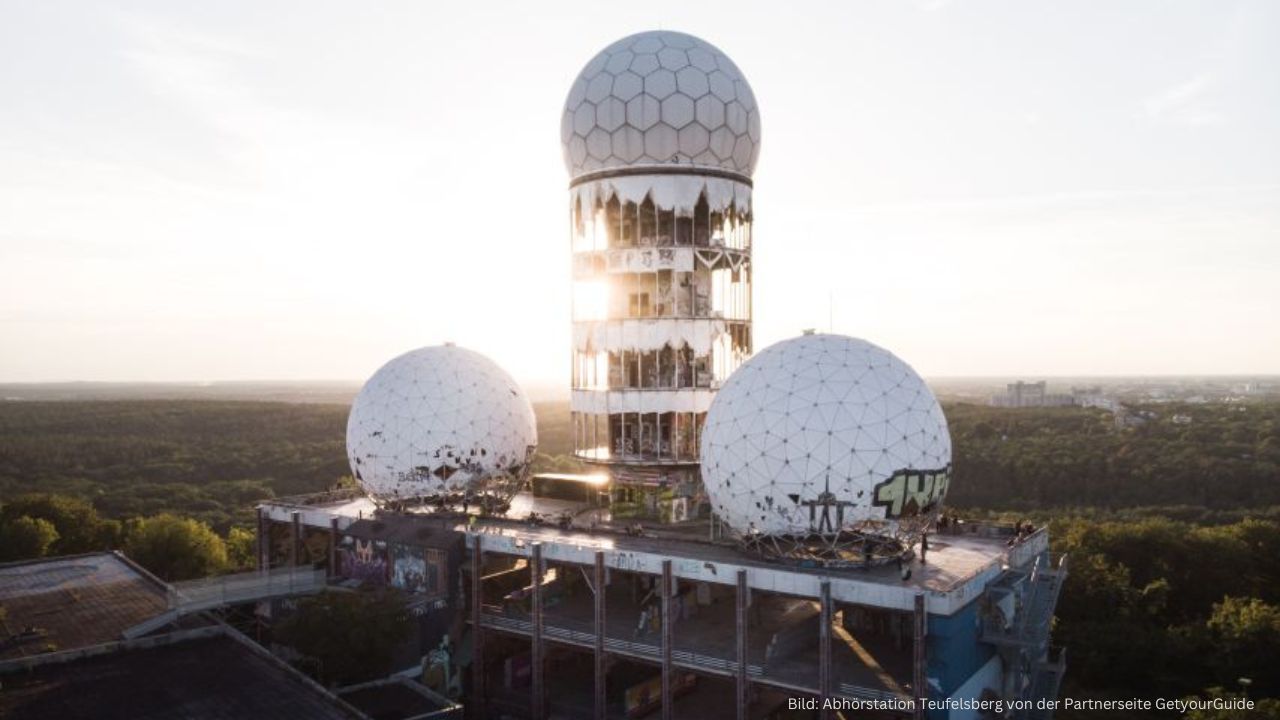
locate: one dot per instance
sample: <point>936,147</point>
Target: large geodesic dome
<point>824,435</point>
<point>440,422</point>
<point>660,97</point>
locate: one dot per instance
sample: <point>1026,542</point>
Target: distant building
<point>1024,394</point>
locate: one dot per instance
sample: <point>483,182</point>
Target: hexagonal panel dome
<point>439,421</point>
<point>666,81</point>
<point>823,434</point>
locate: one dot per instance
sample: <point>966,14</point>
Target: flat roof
<point>395,699</point>
<point>959,564</point>
<point>204,678</point>
<point>73,602</point>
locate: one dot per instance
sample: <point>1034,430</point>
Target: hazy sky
<point>275,190</point>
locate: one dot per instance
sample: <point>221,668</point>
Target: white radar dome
<point>658,98</point>
<point>823,434</point>
<point>440,421</point>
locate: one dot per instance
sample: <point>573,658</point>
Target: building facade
<point>661,134</point>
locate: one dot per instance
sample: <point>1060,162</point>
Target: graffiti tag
<point>911,492</point>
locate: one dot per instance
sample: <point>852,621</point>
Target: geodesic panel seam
<point>438,421</point>
<point>660,97</point>
<point>823,433</point>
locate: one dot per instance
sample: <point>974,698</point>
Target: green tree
<point>26,537</point>
<point>241,549</point>
<point>1245,633</point>
<point>175,548</point>
<point>351,636</point>
<point>79,527</point>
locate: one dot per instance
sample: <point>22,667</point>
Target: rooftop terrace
<point>959,563</point>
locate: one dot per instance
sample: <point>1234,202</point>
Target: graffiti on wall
<point>912,492</point>
<point>408,568</point>
<point>364,560</point>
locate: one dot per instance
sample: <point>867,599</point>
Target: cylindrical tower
<point>661,134</point>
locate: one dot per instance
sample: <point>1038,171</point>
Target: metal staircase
<point>1018,619</point>
<point>1046,678</point>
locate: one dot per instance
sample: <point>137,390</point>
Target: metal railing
<point>1046,680</point>
<point>207,593</point>
<point>1036,600</point>
<point>324,497</point>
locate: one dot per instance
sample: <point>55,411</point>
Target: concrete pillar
<point>668,623</point>
<point>600,635</point>
<point>742,694</point>
<point>333,548</point>
<point>262,542</point>
<point>538,659</point>
<point>919,677</point>
<point>295,535</point>
<point>824,649</point>
<point>477,632</point>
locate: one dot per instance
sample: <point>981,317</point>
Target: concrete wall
<point>954,650</point>
<point>990,675</point>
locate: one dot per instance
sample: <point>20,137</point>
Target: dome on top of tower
<point>659,98</point>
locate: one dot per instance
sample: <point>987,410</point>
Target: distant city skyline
<point>284,191</point>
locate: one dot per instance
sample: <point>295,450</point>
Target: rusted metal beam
<point>539,709</point>
<point>824,650</point>
<point>667,637</point>
<point>600,635</point>
<point>742,691</point>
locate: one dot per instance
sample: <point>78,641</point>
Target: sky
<point>303,190</point>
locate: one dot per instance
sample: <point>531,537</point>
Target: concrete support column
<point>477,632</point>
<point>600,635</point>
<point>538,660</point>
<point>263,542</point>
<point>295,536</point>
<point>333,548</point>
<point>824,649</point>
<point>668,623</point>
<point>742,694</point>
<point>919,676</point>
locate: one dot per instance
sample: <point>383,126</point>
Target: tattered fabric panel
<point>669,192</point>
<point>603,402</point>
<point>825,428</point>
<point>439,420</point>
<point>648,334</point>
<point>677,259</point>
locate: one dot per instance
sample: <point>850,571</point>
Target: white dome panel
<point>824,423</point>
<point>437,421</point>
<point>662,78</point>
